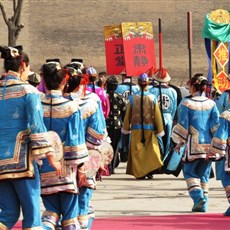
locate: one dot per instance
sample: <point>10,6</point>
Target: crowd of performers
<point>65,128</point>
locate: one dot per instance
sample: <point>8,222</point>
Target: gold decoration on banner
<point>137,29</point>
<point>220,16</point>
<point>112,32</point>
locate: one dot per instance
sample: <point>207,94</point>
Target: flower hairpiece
<point>14,52</point>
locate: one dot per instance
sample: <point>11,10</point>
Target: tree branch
<point>14,5</point>
<point>18,13</point>
<point>3,13</point>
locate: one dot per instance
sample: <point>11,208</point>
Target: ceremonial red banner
<point>114,52</point>
<point>220,80</point>
<point>138,44</point>
<point>221,54</point>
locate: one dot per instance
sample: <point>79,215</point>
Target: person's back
<point>63,116</point>
<point>93,119</point>
<point>126,88</point>
<point>95,132</point>
<point>114,121</point>
<point>93,96</point>
<point>201,125</point>
<point>102,95</point>
<point>144,121</point>
<point>14,113</point>
<point>219,149</point>
<point>198,118</point>
<point>167,99</point>
<point>24,140</point>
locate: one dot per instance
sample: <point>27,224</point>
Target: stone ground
<point>74,29</point>
<point>122,195</point>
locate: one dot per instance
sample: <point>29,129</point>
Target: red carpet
<point>172,222</point>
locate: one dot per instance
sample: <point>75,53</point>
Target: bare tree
<point>13,23</point>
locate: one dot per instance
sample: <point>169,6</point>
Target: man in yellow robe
<point>143,120</point>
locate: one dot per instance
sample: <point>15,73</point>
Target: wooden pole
<point>189,31</point>
<point>160,45</point>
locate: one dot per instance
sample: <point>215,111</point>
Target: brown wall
<point>71,28</point>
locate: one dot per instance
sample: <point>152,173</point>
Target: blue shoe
<point>199,206</point>
<point>227,213</point>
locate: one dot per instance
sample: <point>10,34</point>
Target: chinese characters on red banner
<point>221,54</point>
<point>114,51</point>
<point>129,47</point>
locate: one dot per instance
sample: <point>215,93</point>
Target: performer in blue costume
<point>24,139</point>
<point>167,99</point>
<point>125,89</point>
<point>95,131</point>
<point>220,150</point>
<point>63,116</point>
<point>198,119</point>
<point>223,103</point>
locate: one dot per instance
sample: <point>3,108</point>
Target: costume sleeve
<point>75,150</point>
<point>221,103</point>
<point>96,129</point>
<point>100,111</point>
<point>214,119</point>
<point>38,134</point>
<point>174,106</point>
<point>107,106</point>
<point>180,130</point>
<point>104,102</point>
<point>221,137</point>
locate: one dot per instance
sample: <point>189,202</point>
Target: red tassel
<point>151,71</point>
<point>67,77</point>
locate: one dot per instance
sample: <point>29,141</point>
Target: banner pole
<point>189,31</point>
<point>160,44</point>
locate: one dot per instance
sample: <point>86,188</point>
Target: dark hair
<point>15,63</point>
<point>74,82</point>
<point>13,57</point>
<point>111,83</point>
<point>199,82</point>
<point>102,73</point>
<point>93,79</point>
<point>73,65</point>
<point>52,75</point>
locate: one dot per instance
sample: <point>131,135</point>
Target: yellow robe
<point>143,158</point>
